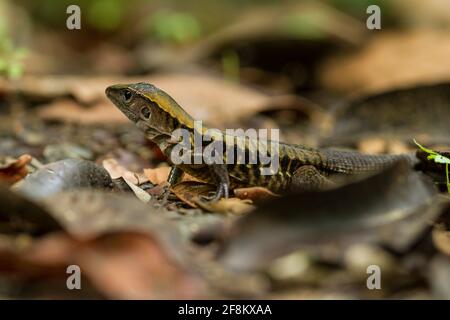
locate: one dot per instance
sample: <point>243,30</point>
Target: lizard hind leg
<point>220,174</point>
<point>308,178</point>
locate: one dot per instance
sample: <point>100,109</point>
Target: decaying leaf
<point>63,175</point>
<point>254,193</point>
<point>13,170</point>
<point>392,207</point>
<point>19,215</point>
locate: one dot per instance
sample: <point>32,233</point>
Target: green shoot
<point>438,158</point>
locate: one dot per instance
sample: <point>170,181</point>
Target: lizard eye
<point>145,111</point>
<point>127,95</point>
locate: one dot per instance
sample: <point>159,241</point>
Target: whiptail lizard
<point>299,167</point>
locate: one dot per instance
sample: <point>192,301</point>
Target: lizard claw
<point>221,192</point>
<point>164,195</point>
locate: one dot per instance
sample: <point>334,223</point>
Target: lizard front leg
<point>174,177</point>
<point>308,178</point>
<point>220,175</point>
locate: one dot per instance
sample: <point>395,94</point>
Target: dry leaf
<point>140,193</point>
<point>116,171</point>
<point>13,170</point>
<point>157,175</point>
<point>254,193</point>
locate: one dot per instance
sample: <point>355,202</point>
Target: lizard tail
<point>352,162</point>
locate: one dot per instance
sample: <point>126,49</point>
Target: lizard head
<point>150,108</point>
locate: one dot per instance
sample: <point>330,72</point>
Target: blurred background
<point>309,68</point>
<point>288,45</point>
<point>308,54</point>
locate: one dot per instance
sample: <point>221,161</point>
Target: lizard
<point>300,167</point>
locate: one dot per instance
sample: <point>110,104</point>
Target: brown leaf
<point>116,171</point>
<point>13,170</point>
<point>190,191</point>
<point>157,175</point>
<point>254,193</point>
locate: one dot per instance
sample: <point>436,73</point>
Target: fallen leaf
<point>254,193</point>
<point>20,215</point>
<point>13,170</point>
<point>393,207</point>
<point>61,176</point>
<point>140,193</point>
<point>116,171</point>
<point>157,175</point>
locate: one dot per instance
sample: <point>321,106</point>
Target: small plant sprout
<point>438,158</point>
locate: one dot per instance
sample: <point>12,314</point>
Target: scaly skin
<point>300,167</point>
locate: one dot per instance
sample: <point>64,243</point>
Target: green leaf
<point>423,148</point>
<point>437,158</point>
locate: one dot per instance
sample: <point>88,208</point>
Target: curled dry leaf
<point>13,170</point>
<point>116,171</point>
<point>254,193</point>
<point>140,193</point>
